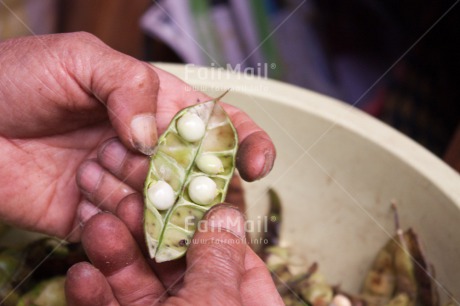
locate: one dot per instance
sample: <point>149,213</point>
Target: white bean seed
<point>191,127</point>
<point>202,190</point>
<point>209,164</point>
<point>161,195</point>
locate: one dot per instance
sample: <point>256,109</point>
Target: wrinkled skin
<point>219,268</point>
<point>61,97</point>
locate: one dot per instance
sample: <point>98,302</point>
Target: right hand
<point>220,269</point>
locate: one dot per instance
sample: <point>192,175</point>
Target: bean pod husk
<point>400,274</point>
<point>168,232</point>
<point>46,293</point>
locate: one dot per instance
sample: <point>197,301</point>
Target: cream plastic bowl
<point>336,171</point>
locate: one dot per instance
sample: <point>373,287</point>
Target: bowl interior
<point>336,172</point>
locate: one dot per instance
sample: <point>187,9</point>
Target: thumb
<point>215,259</point>
<point>131,98</point>
<point>126,86</point>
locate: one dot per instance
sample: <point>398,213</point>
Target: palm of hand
<point>38,189</point>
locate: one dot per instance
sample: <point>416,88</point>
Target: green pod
<point>178,162</point>
<point>272,234</point>
<point>45,257</point>
<point>290,299</point>
<point>427,294</point>
<point>380,281</point>
<point>9,264</point>
<point>400,299</point>
<point>315,290</point>
<point>406,285</point>
<point>3,228</point>
<point>46,293</point>
<point>12,271</point>
<point>8,268</point>
<point>400,274</point>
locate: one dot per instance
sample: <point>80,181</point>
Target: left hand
<point>61,96</point>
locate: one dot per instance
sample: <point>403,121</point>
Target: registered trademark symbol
<point>272,66</point>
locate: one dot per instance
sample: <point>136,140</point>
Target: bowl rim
<point>422,161</point>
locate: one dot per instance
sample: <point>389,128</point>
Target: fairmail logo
<point>259,224</point>
<point>261,70</point>
<point>229,73</point>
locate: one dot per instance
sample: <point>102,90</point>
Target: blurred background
<point>397,61</point>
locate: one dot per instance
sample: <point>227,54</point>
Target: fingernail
<point>228,218</point>
<point>112,155</point>
<point>89,177</point>
<point>144,133</point>
<point>86,211</point>
<point>268,164</point>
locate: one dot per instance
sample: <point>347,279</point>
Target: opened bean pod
<point>190,171</point>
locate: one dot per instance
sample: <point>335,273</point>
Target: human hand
<point>220,269</point>
<point>63,95</point>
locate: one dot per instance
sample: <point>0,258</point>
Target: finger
<point>257,287</point>
<point>111,248</point>
<point>256,152</point>
<point>86,285</point>
<point>131,97</point>
<point>256,156</point>
<point>125,165</point>
<point>235,196</point>
<point>100,187</point>
<point>215,258</point>
<point>130,211</point>
<point>85,211</point>
<point>235,193</point>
